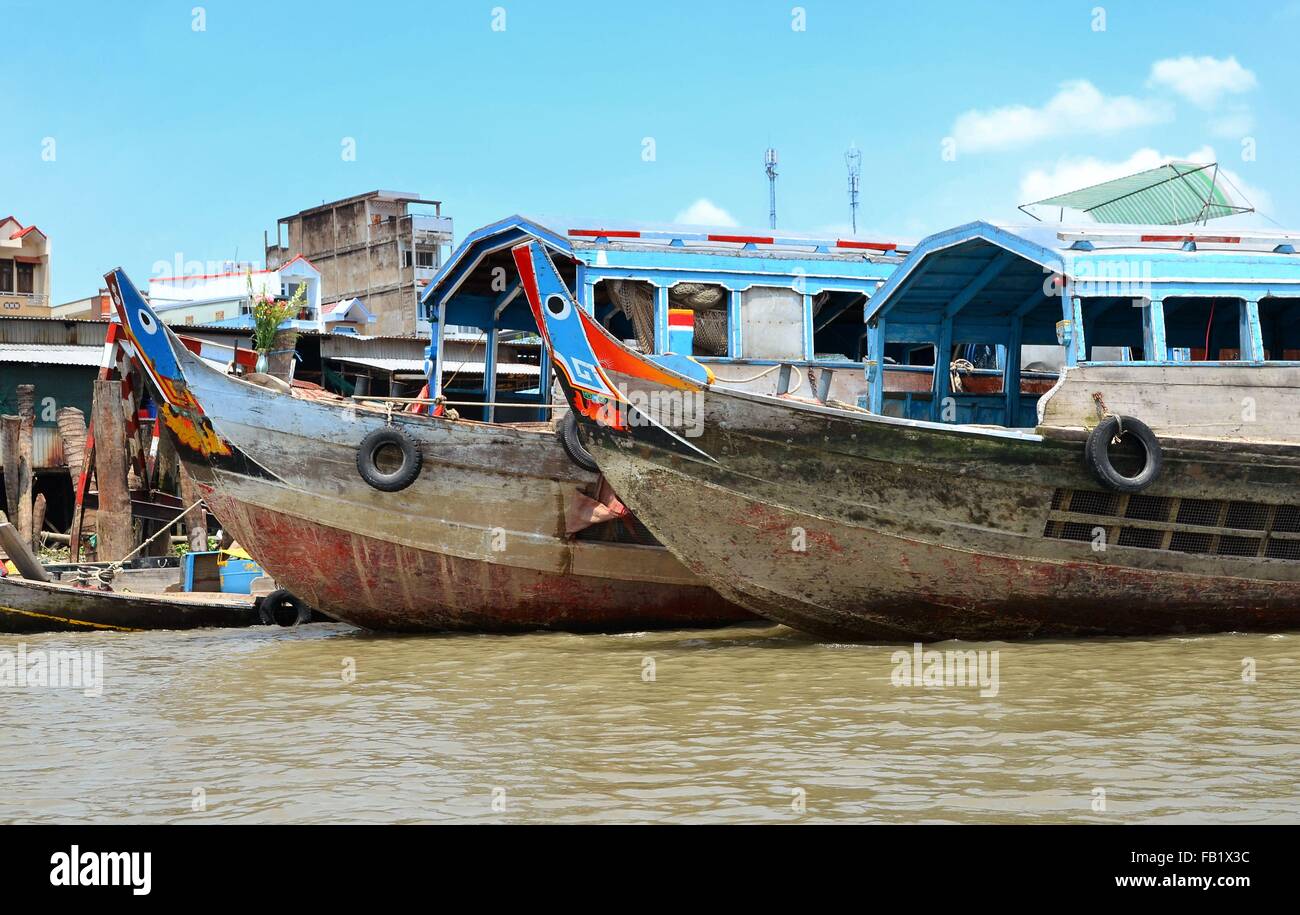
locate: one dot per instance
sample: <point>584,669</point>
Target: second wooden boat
<point>1156,495</point>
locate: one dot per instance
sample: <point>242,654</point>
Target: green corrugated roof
<point>1176,193</point>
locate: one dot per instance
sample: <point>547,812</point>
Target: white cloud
<point>704,212</point>
<point>1072,173</point>
<point>1202,80</point>
<point>1078,107</point>
<point>1233,124</point>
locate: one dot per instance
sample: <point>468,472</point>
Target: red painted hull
<point>378,584</point>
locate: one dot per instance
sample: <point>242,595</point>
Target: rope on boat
<point>955,370</point>
<point>1103,412</point>
<point>761,374</point>
<point>454,403</point>
<point>105,576</point>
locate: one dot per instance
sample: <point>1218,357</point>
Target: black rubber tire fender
<point>1096,453</point>
<point>572,444</point>
<point>406,473</point>
<point>280,608</point>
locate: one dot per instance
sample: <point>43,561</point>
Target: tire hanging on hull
<point>1096,453</point>
<point>567,430</point>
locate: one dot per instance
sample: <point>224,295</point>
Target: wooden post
<point>38,521</point>
<point>26,426</point>
<point>72,434</point>
<point>113,519</point>
<point>9,438</point>
<point>167,468</point>
<point>196,522</point>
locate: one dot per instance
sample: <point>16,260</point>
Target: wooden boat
<point>475,541</point>
<point>883,525</point>
<point>28,606</point>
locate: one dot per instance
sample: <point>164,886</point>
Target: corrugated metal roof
<point>52,331</point>
<point>52,355</point>
<point>350,346</point>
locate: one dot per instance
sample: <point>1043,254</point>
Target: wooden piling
<point>26,428</point>
<point>113,519</point>
<point>9,441</point>
<point>196,522</point>
<point>72,433</point>
<point>38,520</point>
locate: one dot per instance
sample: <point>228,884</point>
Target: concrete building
<point>222,298</point>
<point>370,247</point>
<point>24,270</point>
<point>91,308</point>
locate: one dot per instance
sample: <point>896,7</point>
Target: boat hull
<point>852,526</point>
<point>477,542</point>
<point>31,606</point>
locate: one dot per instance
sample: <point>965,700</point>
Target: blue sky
<point>170,142</point>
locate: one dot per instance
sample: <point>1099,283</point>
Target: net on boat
<point>637,301</point>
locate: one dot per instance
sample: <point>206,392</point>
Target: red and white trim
<point>842,244</point>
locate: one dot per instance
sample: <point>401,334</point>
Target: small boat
<point>204,589</point>
<point>1154,488</point>
<point>28,606</point>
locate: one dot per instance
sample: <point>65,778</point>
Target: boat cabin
<point>1001,312</point>
<point>758,303</point>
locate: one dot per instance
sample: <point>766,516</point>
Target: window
<point>1279,323</point>
<point>424,258</point>
<point>708,302</point>
<point>772,323</point>
<point>26,279</point>
<point>1112,329</point>
<point>6,276</point>
<point>189,319</point>
<point>976,368</point>
<point>1197,330</point>
<point>221,316</point>
<point>839,333</point>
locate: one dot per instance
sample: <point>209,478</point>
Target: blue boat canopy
<point>980,295</point>
<point>755,297</point>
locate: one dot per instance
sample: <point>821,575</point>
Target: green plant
<point>268,314</point>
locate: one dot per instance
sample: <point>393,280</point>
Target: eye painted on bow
<point>147,321</point>
<point>558,306</point>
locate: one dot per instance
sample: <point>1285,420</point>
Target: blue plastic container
<point>237,575</point>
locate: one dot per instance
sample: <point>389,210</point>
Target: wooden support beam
<point>9,426</point>
<point>942,368</point>
<point>196,522</point>
<point>116,537</point>
<point>26,429</point>
<point>1011,373</point>
<point>38,520</point>
<point>990,272</point>
<point>72,435</point>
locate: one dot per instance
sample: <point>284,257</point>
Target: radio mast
<point>853,161</point>
<point>769,162</point>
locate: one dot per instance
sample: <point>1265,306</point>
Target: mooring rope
<point>105,576</point>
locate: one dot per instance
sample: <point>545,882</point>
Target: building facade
<point>92,308</point>
<point>223,298</point>
<point>24,270</point>
<point>370,247</point>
